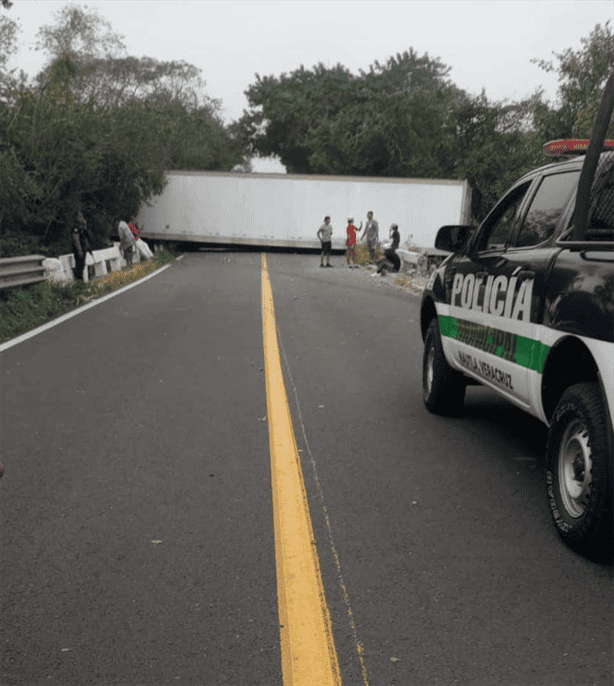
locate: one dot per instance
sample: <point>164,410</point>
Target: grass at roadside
<point>406,279</point>
<point>24,308</point>
<point>362,254</point>
<point>409,280</point>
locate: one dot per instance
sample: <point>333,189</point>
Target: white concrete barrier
<point>422,261</point>
<point>103,262</point>
<point>55,271</point>
<point>16,271</point>
<point>409,258</point>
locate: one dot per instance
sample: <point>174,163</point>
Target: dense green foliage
<point>405,118</point>
<point>96,131</point>
<point>382,122</point>
<point>582,75</point>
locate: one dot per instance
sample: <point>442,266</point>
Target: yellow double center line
<point>308,653</point>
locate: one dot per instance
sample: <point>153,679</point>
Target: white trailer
<point>286,210</point>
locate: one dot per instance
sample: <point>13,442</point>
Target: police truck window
<point>546,208</point>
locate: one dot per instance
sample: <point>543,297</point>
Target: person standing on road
<point>372,233</point>
<point>350,244</point>
<point>80,244</point>
<point>325,234</point>
<point>126,241</point>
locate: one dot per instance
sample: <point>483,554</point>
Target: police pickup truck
<point>525,306</point>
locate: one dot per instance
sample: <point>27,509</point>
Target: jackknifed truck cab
<point>524,305</point>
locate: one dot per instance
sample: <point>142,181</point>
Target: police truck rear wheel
<point>443,388</point>
<point>577,471</point>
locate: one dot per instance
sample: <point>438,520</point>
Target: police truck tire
<point>577,466</point>
<point>443,388</point>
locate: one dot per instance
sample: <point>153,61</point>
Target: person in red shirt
<point>350,243</point>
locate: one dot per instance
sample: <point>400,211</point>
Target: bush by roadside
<point>363,256</point>
<point>23,309</point>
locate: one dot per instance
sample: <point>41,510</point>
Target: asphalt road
<point>136,539</point>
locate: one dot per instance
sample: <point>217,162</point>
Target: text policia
<point>498,297</point>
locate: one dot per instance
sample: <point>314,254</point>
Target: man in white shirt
<point>325,234</point>
<point>126,241</point>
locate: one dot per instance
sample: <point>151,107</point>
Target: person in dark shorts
<point>391,261</point>
<point>325,234</point>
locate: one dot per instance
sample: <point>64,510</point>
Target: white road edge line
<point>74,313</point>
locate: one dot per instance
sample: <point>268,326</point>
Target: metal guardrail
<point>19,271</point>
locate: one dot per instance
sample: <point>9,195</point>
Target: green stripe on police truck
<point>508,346</point>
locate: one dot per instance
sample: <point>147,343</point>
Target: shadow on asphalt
<point>484,408</point>
<point>221,247</point>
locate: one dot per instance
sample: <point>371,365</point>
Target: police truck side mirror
<point>452,238</point>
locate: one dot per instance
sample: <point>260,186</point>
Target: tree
<point>62,155</point>
<point>97,132</point>
<point>196,138</point>
<point>327,120</point>
<point>284,110</point>
<point>8,40</point>
<point>111,82</point>
<point>81,32</point>
<point>582,77</point>
<point>107,76</point>
<point>490,144</point>
<point>8,46</point>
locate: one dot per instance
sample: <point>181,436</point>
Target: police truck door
<point>490,303</point>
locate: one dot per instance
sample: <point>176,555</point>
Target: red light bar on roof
<point>572,146</point>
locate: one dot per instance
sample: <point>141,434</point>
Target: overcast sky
<point>488,44</point>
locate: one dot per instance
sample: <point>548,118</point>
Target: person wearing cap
<point>391,261</point>
<point>372,233</point>
<point>350,243</point>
